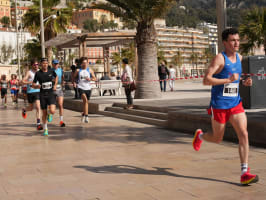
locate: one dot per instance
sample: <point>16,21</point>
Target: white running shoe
<point>83,119</point>
<point>86,119</point>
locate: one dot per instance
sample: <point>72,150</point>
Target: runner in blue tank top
<point>33,95</point>
<point>59,90</point>
<point>223,75</point>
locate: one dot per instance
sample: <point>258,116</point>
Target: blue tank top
<point>227,96</point>
<point>59,73</point>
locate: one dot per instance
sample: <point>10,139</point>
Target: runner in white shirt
<point>85,75</point>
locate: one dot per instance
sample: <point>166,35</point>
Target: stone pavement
<point>113,159</point>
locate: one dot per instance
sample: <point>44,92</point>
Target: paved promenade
<point>113,159</point>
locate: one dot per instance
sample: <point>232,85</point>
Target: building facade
<point>80,16</point>
<point>4,8</point>
<point>21,11</point>
<point>8,44</point>
<point>190,44</point>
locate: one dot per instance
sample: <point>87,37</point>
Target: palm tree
<point>253,29</point>
<point>52,27</point>
<point>194,59</point>
<point>177,60</point>
<point>143,14</point>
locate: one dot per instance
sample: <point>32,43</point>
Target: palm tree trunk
<point>147,63</point>
<point>49,55</point>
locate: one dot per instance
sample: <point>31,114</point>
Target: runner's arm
<point>216,66</point>
<point>25,79</point>
<point>93,78</point>
<point>55,80</point>
<point>34,83</point>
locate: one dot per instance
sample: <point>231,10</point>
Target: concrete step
<point>145,120</point>
<point>142,113</point>
<point>147,108</point>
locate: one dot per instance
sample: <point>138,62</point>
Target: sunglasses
<point>36,65</point>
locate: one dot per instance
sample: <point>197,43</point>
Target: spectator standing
<point>127,80</point>
<point>163,72</point>
<point>172,77</point>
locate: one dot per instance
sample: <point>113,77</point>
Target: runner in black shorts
<point>4,84</point>
<point>33,95</point>
<point>47,79</point>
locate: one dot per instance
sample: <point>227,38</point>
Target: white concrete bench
<point>109,85</point>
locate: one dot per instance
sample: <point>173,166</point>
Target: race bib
<point>47,85</point>
<point>4,85</point>
<point>230,90</point>
<point>83,78</point>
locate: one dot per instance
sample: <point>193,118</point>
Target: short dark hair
<point>44,59</point>
<point>227,32</point>
<point>125,60</point>
<point>77,61</point>
<point>82,59</point>
<point>33,61</point>
<point>73,67</point>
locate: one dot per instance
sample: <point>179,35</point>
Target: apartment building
<point>189,43</point>
<point>212,31</point>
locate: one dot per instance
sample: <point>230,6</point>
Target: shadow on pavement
<point>123,134</point>
<point>128,169</point>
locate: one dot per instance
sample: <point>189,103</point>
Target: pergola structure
<point>99,39</point>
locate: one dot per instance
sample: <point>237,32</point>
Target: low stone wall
<point>188,121</point>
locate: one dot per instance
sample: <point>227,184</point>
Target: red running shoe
<point>39,127</point>
<point>197,141</point>
<point>24,113</point>
<point>248,178</point>
<point>62,124</point>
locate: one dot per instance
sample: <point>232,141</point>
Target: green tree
<point>52,27</point>
<point>253,30</point>
<point>5,21</point>
<point>6,52</point>
<point>33,49</point>
<point>143,14</point>
<point>91,25</point>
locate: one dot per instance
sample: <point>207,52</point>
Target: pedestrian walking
<point>172,77</point>
<point>163,72</point>
<point>224,75</point>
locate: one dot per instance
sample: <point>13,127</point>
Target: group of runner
<point>13,84</point>
<point>45,88</point>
